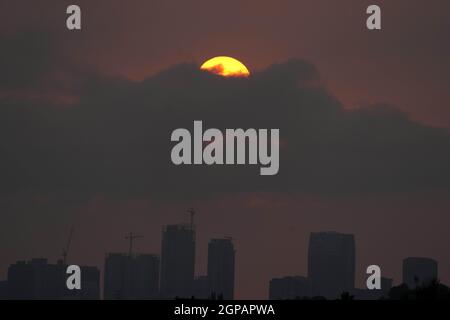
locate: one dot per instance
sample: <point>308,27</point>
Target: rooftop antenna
<point>65,252</point>
<point>131,238</point>
<point>192,214</point>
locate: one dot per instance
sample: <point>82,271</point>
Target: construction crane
<point>192,214</point>
<point>65,252</point>
<point>131,238</point>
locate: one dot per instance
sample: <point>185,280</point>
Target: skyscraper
<point>221,256</point>
<point>201,288</point>
<point>144,278</point>
<point>419,271</point>
<point>131,277</point>
<point>177,261</point>
<point>331,263</point>
<point>114,276</point>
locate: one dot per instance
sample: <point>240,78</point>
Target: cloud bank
<point>115,136</point>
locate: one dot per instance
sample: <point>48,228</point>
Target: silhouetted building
<point>3,290</point>
<point>114,276</point>
<point>36,279</point>
<point>331,263</point>
<point>221,256</point>
<point>419,271</point>
<point>90,285</point>
<point>386,284</point>
<point>177,261</point>
<point>131,277</point>
<point>374,294</point>
<point>201,288</point>
<point>288,288</point>
<point>145,276</point>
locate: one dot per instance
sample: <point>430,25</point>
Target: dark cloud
<point>116,137</point>
<point>24,59</point>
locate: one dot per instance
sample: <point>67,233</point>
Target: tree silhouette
<point>346,296</point>
<point>433,290</point>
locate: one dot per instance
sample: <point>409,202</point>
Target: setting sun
<point>226,67</point>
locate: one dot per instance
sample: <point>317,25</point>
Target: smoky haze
<point>116,138</point>
<point>81,145</point>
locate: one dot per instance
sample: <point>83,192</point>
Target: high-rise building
<point>90,285</point>
<point>23,280</point>
<point>289,288</point>
<point>131,277</point>
<point>36,279</point>
<point>114,276</point>
<point>419,271</point>
<point>3,290</point>
<point>201,288</point>
<point>177,261</point>
<point>221,256</point>
<point>331,263</point>
<point>144,276</point>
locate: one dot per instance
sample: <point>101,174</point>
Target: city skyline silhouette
<point>171,274</point>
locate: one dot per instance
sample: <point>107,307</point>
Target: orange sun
<point>226,67</point>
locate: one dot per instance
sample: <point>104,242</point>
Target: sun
<point>226,67</point>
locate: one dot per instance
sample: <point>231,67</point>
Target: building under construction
<point>178,261</point>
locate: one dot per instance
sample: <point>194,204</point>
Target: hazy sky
<point>86,119</point>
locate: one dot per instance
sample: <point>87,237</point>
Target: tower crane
<point>65,252</point>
